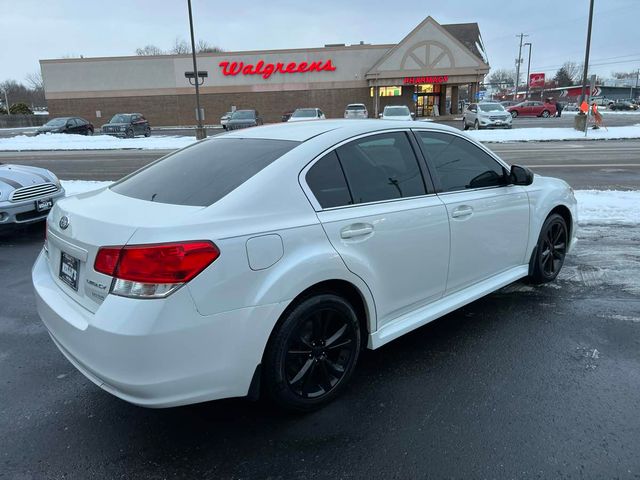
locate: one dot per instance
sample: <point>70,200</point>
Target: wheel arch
<point>565,213</point>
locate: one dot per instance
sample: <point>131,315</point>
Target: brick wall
<point>180,109</point>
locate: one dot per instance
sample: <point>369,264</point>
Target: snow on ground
<point>604,111</point>
<point>547,134</point>
<point>61,141</point>
<point>608,207</point>
<point>594,206</point>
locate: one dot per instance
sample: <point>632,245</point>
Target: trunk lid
<point>93,220</point>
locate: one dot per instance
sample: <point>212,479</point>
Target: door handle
<point>356,230</point>
<point>464,211</point>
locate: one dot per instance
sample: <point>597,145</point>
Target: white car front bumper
<point>156,353</point>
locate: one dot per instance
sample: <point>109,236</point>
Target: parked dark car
<point>127,125</point>
<point>75,125</point>
<point>622,106</point>
<point>244,119</point>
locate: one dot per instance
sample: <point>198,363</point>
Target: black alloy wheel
<point>551,249</point>
<point>313,353</point>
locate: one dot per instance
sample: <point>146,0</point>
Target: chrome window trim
<point>312,198</point>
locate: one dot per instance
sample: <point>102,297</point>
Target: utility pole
<point>200,131</point>
<point>636,88</point>
<point>518,62</point>
<point>586,55</point>
<point>528,69</point>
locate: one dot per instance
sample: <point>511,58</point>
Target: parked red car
<point>532,109</point>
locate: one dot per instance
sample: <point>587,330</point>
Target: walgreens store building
<point>424,71</point>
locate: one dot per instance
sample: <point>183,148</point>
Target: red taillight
<point>155,264</point>
<point>107,260</point>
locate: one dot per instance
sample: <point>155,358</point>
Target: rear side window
<point>459,164</point>
<point>327,182</point>
<point>203,173</point>
<point>381,167</point>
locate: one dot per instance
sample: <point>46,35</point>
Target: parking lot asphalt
<point>611,164</point>
<point>529,382</point>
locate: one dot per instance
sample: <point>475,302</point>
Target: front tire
<point>514,114</point>
<point>312,353</point>
<point>129,133</point>
<point>551,250</point>
<point>464,123</point>
<point>476,125</point>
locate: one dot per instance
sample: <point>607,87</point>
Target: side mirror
<point>520,175</point>
<point>379,115</point>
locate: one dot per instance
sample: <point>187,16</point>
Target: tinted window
<point>244,115</point>
<point>327,182</point>
<point>460,164</point>
<point>203,173</point>
<point>381,167</point>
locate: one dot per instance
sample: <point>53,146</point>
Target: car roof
<point>302,131</point>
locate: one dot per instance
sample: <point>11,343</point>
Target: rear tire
<point>464,123</point>
<point>476,125</point>
<point>546,114</point>
<point>312,353</point>
<point>514,114</point>
<point>551,250</point>
<point>147,132</point>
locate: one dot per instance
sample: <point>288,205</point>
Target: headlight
<point>55,179</point>
<point>122,129</point>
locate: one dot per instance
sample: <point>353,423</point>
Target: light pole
<point>6,101</point>
<point>200,131</point>
<point>528,69</point>
<point>518,62</point>
<point>586,54</point>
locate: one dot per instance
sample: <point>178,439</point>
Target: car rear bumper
<point>156,353</point>
<point>24,212</point>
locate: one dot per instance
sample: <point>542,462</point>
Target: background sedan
<point>532,109</point>
<point>75,125</point>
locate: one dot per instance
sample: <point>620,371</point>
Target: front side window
<point>120,118</point>
<point>381,167</point>
<point>304,113</point>
<point>459,164</point>
<point>203,173</point>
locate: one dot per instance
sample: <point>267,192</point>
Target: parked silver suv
<point>486,115</point>
<point>356,110</point>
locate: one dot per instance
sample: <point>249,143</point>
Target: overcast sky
<point>31,30</point>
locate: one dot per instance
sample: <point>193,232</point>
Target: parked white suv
<point>303,114</point>
<point>486,115</point>
<point>396,112</point>
<point>356,110</point>
<point>266,259</point>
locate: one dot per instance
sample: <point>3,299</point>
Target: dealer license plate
<point>44,204</point>
<point>69,267</point>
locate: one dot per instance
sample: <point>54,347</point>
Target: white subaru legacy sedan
<point>265,260</point>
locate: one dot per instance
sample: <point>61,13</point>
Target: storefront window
<point>387,91</point>
<point>429,88</point>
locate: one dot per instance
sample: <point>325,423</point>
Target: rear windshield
<point>243,115</point>
<point>203,173</point>
<point>355,107</point>
<point>396,111</point>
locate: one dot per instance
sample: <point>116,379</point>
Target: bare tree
<point>502,78</point>
<point>205,47</point>
<point>573,70</point>
<point>148,50</point>
<point>180,47</point>
<point>35,81</point>
<point>623,75</point>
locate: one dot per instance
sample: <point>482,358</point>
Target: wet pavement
<point>529,382</point>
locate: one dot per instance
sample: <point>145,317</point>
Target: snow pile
<point>608,207</point>
<point>546,134</point>
<point>594,206</point>
<point>59,141</point>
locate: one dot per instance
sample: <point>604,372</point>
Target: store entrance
<point>427,96</point>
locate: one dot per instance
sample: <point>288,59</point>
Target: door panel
<point>489,233</point>
<point>399,248</point>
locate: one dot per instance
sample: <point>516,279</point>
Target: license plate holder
<point>44,204</point>
<point>69,269</point>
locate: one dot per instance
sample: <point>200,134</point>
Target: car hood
<point>301,119</point>
<point>13,177</point>
<point>47,128</point>
<point>402,118</point>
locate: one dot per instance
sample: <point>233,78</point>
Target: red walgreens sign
<point>431,79</point>
<point>268,69</point>
<point>536,80</point>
